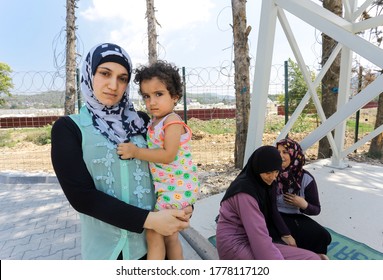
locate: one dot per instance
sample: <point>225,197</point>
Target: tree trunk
<point>330,82</point>
<point>376,147</point>
<point>70,91</point>
<point>242,78</point>
<point>152,33</point>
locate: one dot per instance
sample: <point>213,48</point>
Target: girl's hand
<point>126,150</point>
<point>295,200</point>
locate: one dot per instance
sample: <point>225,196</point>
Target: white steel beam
<point>341,30</point>
<point>306,75</point>
<point>367,24</point>
<point>306,98</point>
<point>337,28</point>
<point>357,102</point>
<point>361,9</point>
<point>258,99</point>
<point>343,92</point>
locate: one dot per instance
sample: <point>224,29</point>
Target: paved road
<point>37,223</point>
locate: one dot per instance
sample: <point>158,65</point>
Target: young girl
<point>174,174</point>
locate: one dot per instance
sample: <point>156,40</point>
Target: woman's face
<point>269,177</point>
<point>286,160</point>
<point>110,82</point>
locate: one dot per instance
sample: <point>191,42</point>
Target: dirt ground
<point>212,153</point>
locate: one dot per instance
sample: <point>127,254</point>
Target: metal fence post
<point>286,91</point>
<point>78,89</point>
<point>184,84</point>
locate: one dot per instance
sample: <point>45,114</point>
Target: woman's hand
<point>289,240</point>
<point>295,200</point>
<point>188,211</point>
<point>167,222</point>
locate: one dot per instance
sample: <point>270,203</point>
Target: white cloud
<point>183,14</point>
<point>124,23</point>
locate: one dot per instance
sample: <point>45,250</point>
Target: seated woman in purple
<point>249,226</point>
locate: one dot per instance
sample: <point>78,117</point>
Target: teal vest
<point>127,180</point>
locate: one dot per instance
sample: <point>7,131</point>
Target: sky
<point>191,33</point>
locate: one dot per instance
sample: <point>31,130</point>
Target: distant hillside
<point>211,98</point>
<point>55,99</point>
<point>51,99</point>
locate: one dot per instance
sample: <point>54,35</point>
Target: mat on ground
<point>343,248</point>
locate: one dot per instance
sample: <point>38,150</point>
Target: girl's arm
<point>166,154</point>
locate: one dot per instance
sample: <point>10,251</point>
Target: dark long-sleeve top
<point>78,184</point>
<point>309,191</point>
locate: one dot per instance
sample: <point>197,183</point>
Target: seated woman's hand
<point>295,200</point>
<point>289,240</point>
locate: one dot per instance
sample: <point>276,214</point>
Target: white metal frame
<point>343,30</point>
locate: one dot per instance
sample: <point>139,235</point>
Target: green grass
<point>42,135</point>
<point>38,136</point>
<point>362,126</point>
<point>216,126</point>
<point>6,138</point>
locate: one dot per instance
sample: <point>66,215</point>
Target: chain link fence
<point>208,88</point>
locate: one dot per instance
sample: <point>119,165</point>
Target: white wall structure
<point>344,31</point>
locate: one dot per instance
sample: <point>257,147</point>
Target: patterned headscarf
<point>289,180</point>
<point>118,122</point>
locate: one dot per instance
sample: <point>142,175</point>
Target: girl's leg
<point>156,245</point>
<point>173,247</point>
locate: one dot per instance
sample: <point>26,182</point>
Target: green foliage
<point>5,80</point>
<point>40,136</point>
<point>304,123</point>
<point>49,99</point>
<point>297,89</point>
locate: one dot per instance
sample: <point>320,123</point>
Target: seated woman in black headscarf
<point>249,226</point>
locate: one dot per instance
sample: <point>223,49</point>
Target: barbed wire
<point>28,82</point>
<point>197,79</point>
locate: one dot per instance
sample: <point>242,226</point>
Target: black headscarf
<point>264,159</point>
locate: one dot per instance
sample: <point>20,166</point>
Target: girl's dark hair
<point>166,72</point>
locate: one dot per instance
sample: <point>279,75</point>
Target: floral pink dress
<point>175,183</point>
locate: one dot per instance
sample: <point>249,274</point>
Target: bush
<point>40,136</point>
